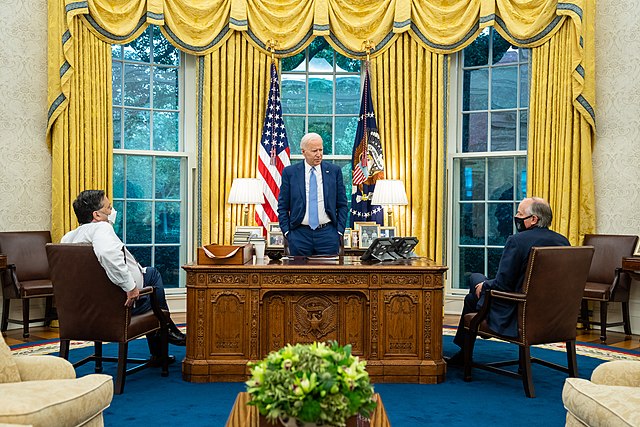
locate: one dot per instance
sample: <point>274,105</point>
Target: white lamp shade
<point>246,191</point>
<point>389,192</point>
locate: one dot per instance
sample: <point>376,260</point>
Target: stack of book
<point>241,237</point>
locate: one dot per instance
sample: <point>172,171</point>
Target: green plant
<point>321,383</point>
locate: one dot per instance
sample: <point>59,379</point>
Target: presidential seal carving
<point>315,317</point>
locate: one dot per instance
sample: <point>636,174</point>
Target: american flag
<point>367,163</point>
<point>274,154</point>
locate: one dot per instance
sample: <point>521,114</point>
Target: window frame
<point>454,134</point>
<point>186,146</point>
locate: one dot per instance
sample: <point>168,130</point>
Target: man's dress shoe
<point>156,361</point>
<point>177,338</point>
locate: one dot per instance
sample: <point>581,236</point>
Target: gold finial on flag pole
<point>367,45</point>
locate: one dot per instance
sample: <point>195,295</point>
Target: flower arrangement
<point>318,383</point>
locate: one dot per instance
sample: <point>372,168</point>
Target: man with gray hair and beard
<point>532,222</point>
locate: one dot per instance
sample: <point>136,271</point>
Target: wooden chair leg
<point>572,362</point>
<point>584,314</point>
<point>525,365</point>
<point>97,349</point>
<point>6,302</point>
<point>64,349</point>
<point>25,317</point>
<point>626,318</point>
<point>48,310</point>
<point>469,344</point>
<point>122,367</point>
<point>603,321</point>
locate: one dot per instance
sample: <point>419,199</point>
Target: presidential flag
<point>274,154</point>
<point>367,164</point>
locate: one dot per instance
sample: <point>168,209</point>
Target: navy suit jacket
<point>292,202</point>
<point>511,272</point>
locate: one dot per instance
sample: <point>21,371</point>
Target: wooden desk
<point>631,265</point>
<point>391,314</point>
<point>248,416</point>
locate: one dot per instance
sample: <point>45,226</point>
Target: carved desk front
<point>391,314</point>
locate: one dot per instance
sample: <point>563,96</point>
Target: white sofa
<point>44,391</point>
<point>611,398</point>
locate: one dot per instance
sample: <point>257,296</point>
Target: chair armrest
<point>146,290</point>
<point>35,368</point>
<point>510,296</point>
<point>617,372</point>
<point>489,296</point>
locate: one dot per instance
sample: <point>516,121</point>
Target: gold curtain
<point>560,140</point>
<point>408,90</point>
<point>205,28</point>
<point>81,138</point>
<point>234,83</point>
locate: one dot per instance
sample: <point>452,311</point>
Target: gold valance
<point>442,26</point>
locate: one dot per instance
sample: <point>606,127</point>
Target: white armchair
<point>611,398</point>
<point>35,390</point>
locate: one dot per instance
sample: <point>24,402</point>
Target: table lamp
<point>389,193</point>
<point>245,191</point>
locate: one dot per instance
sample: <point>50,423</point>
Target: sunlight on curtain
<point>234,83</point>
<point>408,88</point>
<point>82,136</point>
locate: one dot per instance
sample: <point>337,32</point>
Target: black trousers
<point>471,305</point>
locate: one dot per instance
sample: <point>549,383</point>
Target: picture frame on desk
<point>368,233</point>
<point>346,238</point>
<point>357,225</point>
<point>254,231</point>
<point>273,227</point>
<point>387,232</point>
<point>355,239</point>
<point>275,239</point>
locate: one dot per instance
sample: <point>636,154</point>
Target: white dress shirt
<point>110,252</point>
<point>323,218</point>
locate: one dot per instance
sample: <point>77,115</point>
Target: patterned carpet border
<point>601,352</point>
<point>53,346</point>
<point>583,349</point>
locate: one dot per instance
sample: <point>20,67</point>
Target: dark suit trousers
<point>321,241</point>
<point>471,305</point>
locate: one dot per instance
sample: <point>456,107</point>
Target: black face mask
<point>520,223</point>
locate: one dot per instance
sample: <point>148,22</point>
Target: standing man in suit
<point>532,223</point>
<point>312,206</point>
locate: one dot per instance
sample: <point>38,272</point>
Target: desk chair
<point>91,308</point>
<point>26,276</point>
<point>606,282</point>
<point>547,308</point>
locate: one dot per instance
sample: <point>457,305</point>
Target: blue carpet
<point>489,399</point>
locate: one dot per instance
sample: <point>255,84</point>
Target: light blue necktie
<point>313,200</point>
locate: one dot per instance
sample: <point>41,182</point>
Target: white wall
<point>616,154</point>
<point>25,163</point>
<point>25,160</point>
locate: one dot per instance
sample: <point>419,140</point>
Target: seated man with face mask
<point>532,221</point>
<point>96,217</point>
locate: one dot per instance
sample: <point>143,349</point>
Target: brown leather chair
<point>26,276</point>
<point>91,308</point>
<point>607,282</point>
<point>547,308</point>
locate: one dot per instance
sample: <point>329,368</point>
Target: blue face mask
<point>520,223</point>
